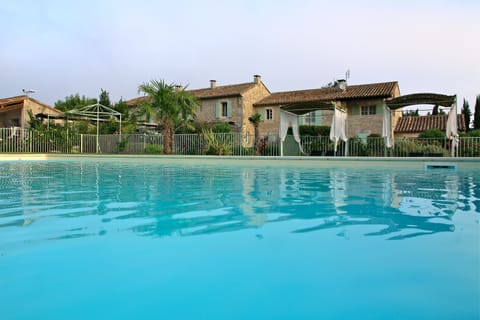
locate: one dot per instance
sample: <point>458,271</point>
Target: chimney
<point>341,84</point>
<point>257,78</point>
<point>213,84</point>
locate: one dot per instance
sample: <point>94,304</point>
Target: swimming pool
<point>202,239</point>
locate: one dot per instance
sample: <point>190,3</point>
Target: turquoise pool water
<point>249,240</point>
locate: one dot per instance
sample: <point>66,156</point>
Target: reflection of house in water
<point>402,204</point>
<point>164,200</point>
<point>405,203</point>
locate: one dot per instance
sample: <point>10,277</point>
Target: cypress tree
<point>476,118</point>
<point>466,113</point>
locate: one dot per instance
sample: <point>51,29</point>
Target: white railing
<point>14,140</point>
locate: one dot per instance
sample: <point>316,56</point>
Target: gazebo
<point>98,112</point>
<point>289,118</point>
<point>419,99</point>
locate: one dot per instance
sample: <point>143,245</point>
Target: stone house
<point>363,103</point>
<point>14,111</point>
<point>232,104</point>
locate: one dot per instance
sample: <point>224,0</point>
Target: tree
<point>104,98</point>
<point>410,113</point>
<point>255,120</point>
<point>466,113</point>
<point>170,105</point>
<point>74,102</point>
<point>476,119</point>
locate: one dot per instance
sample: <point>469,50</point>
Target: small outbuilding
<point>14,112</point>
<point>412,126</point>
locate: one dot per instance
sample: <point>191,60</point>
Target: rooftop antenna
<point>347,74</point>
<point>27,92</point>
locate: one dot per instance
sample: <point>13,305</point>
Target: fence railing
<point>14,140</point>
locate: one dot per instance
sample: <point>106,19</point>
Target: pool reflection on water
<point>213,241</point>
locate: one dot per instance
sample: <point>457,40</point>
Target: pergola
<point>98,112</point>
<point>430,99</point>
<point>289,117</point>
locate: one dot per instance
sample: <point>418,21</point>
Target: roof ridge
<point>372,84</point>
<point>223,86</point>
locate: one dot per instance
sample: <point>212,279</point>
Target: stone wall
<point>253,95</point>
<point>207,111</point>
<point>364,124</point>
<point>272,126</point>
<point>242,109</point>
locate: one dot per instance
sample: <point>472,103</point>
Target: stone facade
<point>249,98</point>
<point>238,101</point>
<point>234,104</point>
<point>369,97</point>
<point>207,111</point>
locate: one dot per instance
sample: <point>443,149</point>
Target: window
<point>368,110</point>
<point>269,114</point>
<point>16,122</point>
<point>224,109</point>
<point>310,118</point>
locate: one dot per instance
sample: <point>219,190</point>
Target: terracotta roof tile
<point>223,91</point>
<point>136,100</point>
<point>6,102</point>
<point>211,93</point>
<point>373,90</point>
<point>415,124</point>
<point>12,100</point>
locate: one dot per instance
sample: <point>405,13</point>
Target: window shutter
<point>379,110</point>
<point>356,110</point>
<point>217,110</point>
<point>229,109</point>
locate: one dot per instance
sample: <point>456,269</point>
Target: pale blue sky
<point>60,47</point>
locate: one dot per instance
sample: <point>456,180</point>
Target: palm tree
<point>255,120</point>
<point>171,105</point>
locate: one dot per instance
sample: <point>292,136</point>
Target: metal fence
<point>14,140</point>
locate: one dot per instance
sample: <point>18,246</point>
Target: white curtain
<point>288,119</point>
<point>387,131</point>
<point>452,130</point>
<point>337,130</point>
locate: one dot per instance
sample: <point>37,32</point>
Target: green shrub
<point>122,145</point>
<point>432,133</point>
<point>314,130</point>
<point>222,127</point>
<point>405,147</point>
<point>356,147</point>
<point>474,133</point>
<point>151,148</point>
<point>215,145</point>
<point>375,145</point>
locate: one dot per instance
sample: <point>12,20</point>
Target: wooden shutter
<point>217,110</point>
<point>356,110</point>
<point>229,109</point>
